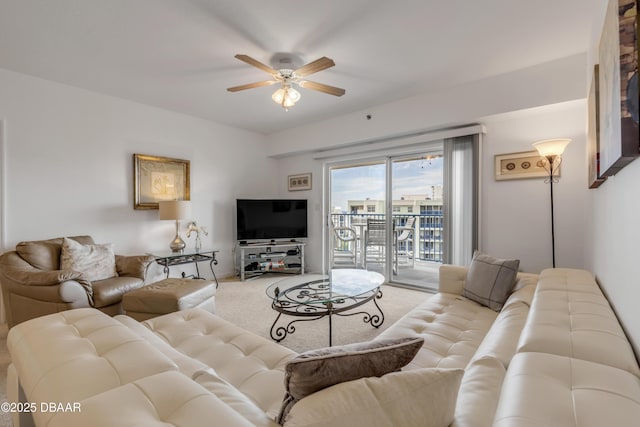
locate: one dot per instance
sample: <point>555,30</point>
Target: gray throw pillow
<point>318,369</point>
<point>490,280</point>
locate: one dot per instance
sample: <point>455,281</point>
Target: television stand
<point>261,258</point>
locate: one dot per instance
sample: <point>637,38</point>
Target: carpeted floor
<point>247,305</point>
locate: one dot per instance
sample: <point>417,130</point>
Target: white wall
<point>69,167</point>
<point>515,215</point>
<point>545,84</point>
<point>613,231</point>
<point>302,164</point>
<point>518,108</point>
<point>614,234</point>
<point>516,218</point>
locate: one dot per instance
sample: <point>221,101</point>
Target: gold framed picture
<point>299,182</point>
<point>527,164</point>
<point>159,178</point>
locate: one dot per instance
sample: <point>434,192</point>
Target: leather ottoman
<point>169,295</point>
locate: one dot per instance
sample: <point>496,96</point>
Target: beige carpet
<point>247,305</point>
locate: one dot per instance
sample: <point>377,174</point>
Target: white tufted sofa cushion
<point>571,317</point>
<point>251,364</point>
<point>452,327</point>
<point>117,369</point>
<point>161,400</point>
<point>482,381</point>
<point>76,354</point>
<point>557,391</point>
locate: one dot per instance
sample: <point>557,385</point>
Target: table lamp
<point>175,210</point>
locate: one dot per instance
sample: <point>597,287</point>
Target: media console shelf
<point>271,257</point>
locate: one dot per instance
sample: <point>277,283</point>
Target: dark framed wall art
<point>593,132</point>
<point>618,87</point>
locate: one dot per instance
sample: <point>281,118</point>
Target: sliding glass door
<point>357,219</point>
<point>417,190</point>
<point>386,216</point>
<point>404,215</point>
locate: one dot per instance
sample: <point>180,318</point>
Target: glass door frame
<point>386,157</point>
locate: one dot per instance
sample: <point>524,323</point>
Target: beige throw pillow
<point>490,280</point>
<point>318,369</point>
<point>95,262</point>
<point>419,397</point>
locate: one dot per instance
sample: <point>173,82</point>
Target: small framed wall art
<point>299,182</point>
<point>527,164</point>
<point>159,178</point>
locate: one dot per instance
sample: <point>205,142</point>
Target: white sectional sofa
<point>555,355</point>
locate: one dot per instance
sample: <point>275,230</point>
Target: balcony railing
<point>425,243</point>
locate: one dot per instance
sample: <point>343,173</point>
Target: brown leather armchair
<point>33,284</point>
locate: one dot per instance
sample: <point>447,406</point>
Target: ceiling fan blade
<point>252,85</point>
<point>315,66</point>
<point>331,90</point>
<point>249,60</point>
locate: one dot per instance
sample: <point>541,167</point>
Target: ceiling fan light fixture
<point>286,74</point>
<point>286,96</point>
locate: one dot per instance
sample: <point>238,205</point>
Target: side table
<point>187,256</point>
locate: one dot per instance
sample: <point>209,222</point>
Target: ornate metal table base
<point>313,301</point>
<point>188,257</point>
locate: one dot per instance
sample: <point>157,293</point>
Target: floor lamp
<point>552,150</point>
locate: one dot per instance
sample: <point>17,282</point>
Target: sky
<point>361,182</point>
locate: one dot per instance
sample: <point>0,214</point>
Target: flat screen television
<point>271,219</point>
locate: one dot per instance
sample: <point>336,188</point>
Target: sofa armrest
<point>70,292</point>
<point>41,278</point>
<point>525,279</point>
<point>452,278</point>
<point>133,265</point>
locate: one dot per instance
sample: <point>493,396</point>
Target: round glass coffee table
<point>314,296</point>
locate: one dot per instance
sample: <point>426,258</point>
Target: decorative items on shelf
<point>193,227</point>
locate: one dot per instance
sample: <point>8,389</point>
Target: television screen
<point>271,219</point>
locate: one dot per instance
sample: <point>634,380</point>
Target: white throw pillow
<point>420,397</point>
<point>314,370</point>
<point>95,262</point>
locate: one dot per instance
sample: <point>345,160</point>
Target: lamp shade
<point>551,147</point>
<point>174,209</point>
<point>286,96</point>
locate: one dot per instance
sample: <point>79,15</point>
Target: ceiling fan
<point>284,74</point>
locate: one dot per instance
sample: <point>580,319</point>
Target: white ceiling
<point>179,54</point>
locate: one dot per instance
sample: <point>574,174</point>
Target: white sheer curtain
<point>461,177</point>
